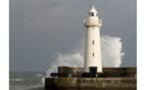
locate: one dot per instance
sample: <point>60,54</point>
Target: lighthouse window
<point>93,42</point>
<point>93,55</point>
<point>91,14</point>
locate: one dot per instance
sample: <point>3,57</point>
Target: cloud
<point>111,54</point>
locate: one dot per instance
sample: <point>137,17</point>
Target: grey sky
<point>39,29</point>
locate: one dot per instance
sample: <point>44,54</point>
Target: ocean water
<point>27,80</point>
<point>35,81</point>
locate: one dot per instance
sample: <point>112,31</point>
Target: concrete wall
<point>95,83</point>
<point>108,72</point>
<point>120,72</point>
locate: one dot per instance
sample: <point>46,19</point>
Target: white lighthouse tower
<point>92,46</point>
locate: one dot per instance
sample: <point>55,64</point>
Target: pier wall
<point>120,83</point>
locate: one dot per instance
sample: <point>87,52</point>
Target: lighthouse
<point>92,57</point>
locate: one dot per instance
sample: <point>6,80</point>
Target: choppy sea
<point>27,80</point>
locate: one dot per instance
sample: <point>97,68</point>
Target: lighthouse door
<point>93,71</point>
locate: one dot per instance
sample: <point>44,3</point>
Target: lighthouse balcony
<point>93,22</point>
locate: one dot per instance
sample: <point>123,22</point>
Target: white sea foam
<point>39,75</point>
<point>19,87</point>
<point>43,81</point>
<point>18,79</point>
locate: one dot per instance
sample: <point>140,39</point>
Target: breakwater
<point>92,83</point>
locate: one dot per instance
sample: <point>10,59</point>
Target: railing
<point>91,22</point>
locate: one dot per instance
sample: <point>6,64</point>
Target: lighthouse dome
<point>93,9</point>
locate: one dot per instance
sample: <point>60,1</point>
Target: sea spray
<point>112,54</point>
<point>43,81</point>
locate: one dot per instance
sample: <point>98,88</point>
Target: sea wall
<point>100,83</point>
